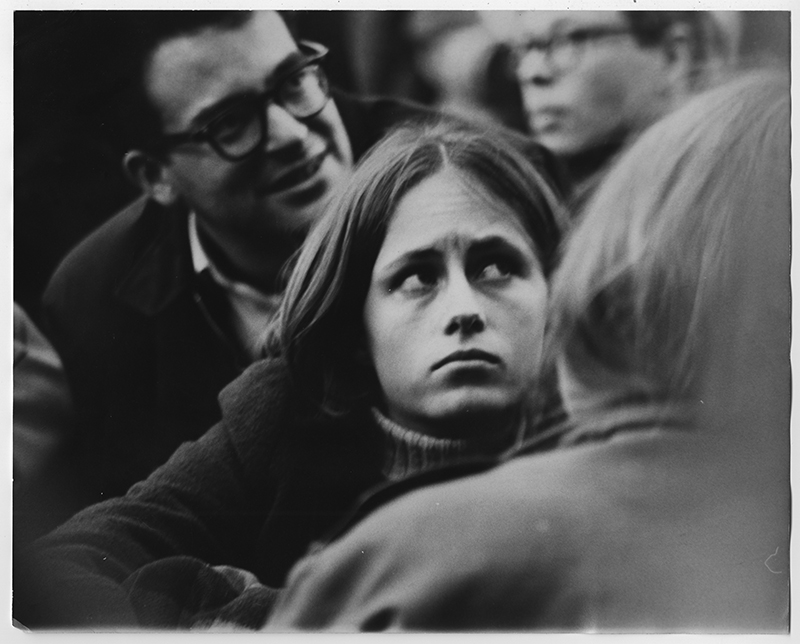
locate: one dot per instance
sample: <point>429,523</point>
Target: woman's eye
<point>415,282</point>
<point>495,270</point>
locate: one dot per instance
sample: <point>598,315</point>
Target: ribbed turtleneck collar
<point>408,452</point>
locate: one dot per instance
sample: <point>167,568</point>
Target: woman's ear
<point>151,175</point>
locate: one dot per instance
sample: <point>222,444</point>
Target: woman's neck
<point>409,451</point>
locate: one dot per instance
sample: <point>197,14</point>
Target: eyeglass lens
<point>243,128</point>
<point>559,51</point>
<point>562,51</point>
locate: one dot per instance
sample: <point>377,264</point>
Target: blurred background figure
<point>592,80</point>
<point>45,490</point>
<point>43,425</point>
<point>462,62</point>
<point>42,403</point>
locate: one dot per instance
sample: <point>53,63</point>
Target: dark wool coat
<point>254,492</point>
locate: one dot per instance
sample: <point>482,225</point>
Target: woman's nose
<point>283,129</point>
<point>465,314</point>
<point>466,324</point>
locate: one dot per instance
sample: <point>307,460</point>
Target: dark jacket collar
<point>162,265</point>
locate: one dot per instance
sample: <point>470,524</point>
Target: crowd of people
<point>516,358</point>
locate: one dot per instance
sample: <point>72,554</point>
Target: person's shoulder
<point>256,405</point>
<point>262,384</point>
<point>105,249</point>
<point>522,495</point>
<point>105,258</point>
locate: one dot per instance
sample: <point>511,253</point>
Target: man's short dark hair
<point>140,35</point>
<point>706,38</point>
<point>136,36</point>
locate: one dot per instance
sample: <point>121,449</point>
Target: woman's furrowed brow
<point>497,242</point>
<point>428,253</point>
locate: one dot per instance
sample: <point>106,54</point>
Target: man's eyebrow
<point>287,65</point>
<point>207,114</point>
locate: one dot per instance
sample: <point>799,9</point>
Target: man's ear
<point>678,56</point>
<point>151,175</point>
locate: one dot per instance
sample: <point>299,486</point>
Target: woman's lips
<point>469,355</point>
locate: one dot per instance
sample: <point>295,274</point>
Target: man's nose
<point>283,129</point>
<point>464,313</point>
<point>535,69</point>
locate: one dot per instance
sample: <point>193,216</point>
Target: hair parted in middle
<point>319,329</point>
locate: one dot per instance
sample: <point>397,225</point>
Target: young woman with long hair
<point>666,505</point>
<point>410,336</point>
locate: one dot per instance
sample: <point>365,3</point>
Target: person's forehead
<point>190,73</point>
<point>448,204</point>
<point>540,23</point>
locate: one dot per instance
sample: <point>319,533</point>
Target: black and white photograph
<point>448,319</point>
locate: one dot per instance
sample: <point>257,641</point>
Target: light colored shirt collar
<point>251,309</point>
<point>200,260</point>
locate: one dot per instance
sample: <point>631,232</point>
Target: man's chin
<point>307,196</point>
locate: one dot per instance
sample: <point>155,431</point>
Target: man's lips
<point>470,355</point>
<point>297,174</point>
<point>547,117</point>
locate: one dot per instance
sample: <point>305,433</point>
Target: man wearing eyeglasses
<point>238,148</point>
<point>590,80</point>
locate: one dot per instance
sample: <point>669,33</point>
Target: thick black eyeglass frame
<point>575,37</point>
<point>315,53</point>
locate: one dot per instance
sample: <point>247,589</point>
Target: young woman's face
<point>455,312</point>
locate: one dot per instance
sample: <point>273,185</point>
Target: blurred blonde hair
<point>642,275</point>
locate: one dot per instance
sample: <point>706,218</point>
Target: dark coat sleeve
<point>208,501</point>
